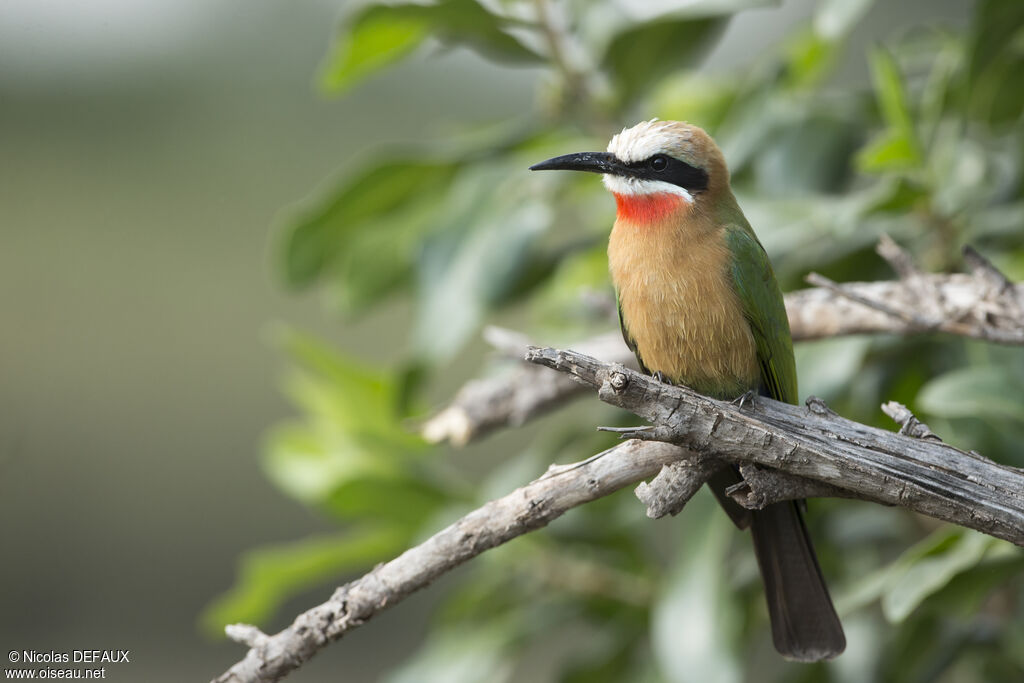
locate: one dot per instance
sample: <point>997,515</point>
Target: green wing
<point>764,309</point>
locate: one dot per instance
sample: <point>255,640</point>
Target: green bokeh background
<point>147,155</point>
<point>139,185</point>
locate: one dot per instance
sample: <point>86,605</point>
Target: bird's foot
<point>748,396</point>
<point>662,378</point>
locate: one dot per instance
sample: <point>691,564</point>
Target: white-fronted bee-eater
<point>699,306</point>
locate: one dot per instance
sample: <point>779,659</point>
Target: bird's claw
<point>662,378</point>
<point>741,401</point>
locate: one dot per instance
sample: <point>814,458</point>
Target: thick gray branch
<point>531,507</point>
<point>812,442</point>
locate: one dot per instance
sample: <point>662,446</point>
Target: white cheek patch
<point>640,186</point>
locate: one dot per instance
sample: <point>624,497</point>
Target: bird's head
<point>655,167</point>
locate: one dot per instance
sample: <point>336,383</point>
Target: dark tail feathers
<point>804,622</point>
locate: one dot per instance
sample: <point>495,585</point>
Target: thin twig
<point>915,321</point>
<point>1002,287</point>
<point>576,91</point>
<point>531,507</point>
<point>909,424</point>
<point>897,257</point>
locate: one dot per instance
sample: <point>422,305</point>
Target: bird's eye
<point>658,162</point>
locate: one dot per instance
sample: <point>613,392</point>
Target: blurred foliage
<point>930,152</point>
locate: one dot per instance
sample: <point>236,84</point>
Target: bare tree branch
<point>898,258</point>
<point>982,305</point>
<point>924,475</point>
<point>784,452</point>
<point>909,317</point>
<point>958,304</point>
<point>531,507</point>
<point>516,395</point>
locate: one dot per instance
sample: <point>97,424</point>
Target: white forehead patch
<point>643,140</point>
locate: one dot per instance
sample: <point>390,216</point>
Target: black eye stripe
<point>675,171</point>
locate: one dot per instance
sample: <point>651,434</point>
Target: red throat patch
<point>647,208</point>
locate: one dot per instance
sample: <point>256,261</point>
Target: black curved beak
<point>593,162</point>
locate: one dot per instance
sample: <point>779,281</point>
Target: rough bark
<point>924,475</point>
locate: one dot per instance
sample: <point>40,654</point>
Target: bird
<point>699,306</point>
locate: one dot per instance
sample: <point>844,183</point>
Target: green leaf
<point>408,500</point>
<point>976,391</point>
<point>469,23</point>
<point>579,274</point>
<point>922,575</point>
<point>474,263</point>
<point>640,56</point>
<point>268,576</point>
<point>317,239</point>
<point>381,35</point>
<point>890,90</point>
<point>809,58</point>
<point>897,146</point>
<point>889,151</point>
<point>380,259</point>
<point>996,53</point>
<point>997,24</point>
<point>375,39</point>
<point>352,430</point>
<point>357,396</point>
<point>923,570</point>
<point>963,597</point>
<point>463,654</point>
